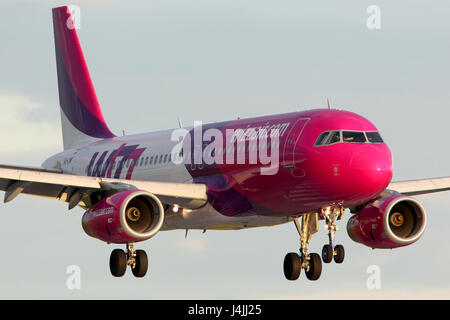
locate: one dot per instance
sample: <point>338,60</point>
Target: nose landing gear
<point>330,252</point>
<point>136,259</point>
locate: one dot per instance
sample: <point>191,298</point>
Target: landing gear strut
<point>329,252</point>
<point>136,259</point>
<point>310,262</point>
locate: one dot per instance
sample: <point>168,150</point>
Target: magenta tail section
<point>77,98</point>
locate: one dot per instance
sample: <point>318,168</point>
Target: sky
<point>154,61</point>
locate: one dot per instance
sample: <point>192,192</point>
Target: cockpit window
<point>374,137</point>
<point>334,137</point>
<point>354,136</point>
<point>331,137</point>
<point>322,138</point>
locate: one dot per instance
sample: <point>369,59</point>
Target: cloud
<point>21,128</point>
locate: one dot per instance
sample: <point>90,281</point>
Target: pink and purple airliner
<point>304,168</point>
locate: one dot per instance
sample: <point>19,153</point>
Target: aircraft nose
<point>372,169</point>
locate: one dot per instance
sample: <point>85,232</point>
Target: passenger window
<point>146,160</point>
<point>165,158</point>
<point>353,136</point>
<point>334,137</point>
<point>151,160</point>
<point>322,138</point>
<point>374,137</point>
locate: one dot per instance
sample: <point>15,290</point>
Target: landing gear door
<point>292,138</point>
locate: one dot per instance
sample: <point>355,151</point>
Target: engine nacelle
<point>127,216</point>
<point>390,222</point>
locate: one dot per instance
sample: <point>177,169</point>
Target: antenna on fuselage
<point>179,122</point>
<point>328,102</point>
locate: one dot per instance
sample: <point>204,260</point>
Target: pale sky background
<point>152,61</point>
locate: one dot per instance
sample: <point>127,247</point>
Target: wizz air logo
<point>111,163</point>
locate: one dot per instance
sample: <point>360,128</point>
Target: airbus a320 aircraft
<point>298,167</point>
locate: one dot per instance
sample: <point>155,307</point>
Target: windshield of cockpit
<point>346,136</point>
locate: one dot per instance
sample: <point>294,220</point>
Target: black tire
<point>340,254</point>
<point>315,267</point>
<point>140,269</point>
<point>327,253</point>
<point>292,266</point>
<point>118,263</point>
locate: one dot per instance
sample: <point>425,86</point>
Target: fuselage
<point>317,158</point>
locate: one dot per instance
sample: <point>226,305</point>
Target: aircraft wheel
<point>315,267</point>
<point>340,254</point>
<point>327,253</point>
<point>292,266</point>
<point>141,266</point>
<point>118,263</point>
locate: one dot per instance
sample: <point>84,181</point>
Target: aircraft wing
<point>423,186</point>
<point>15,180</point>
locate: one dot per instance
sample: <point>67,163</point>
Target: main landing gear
<point>312,262</point>
<point>136,259</point>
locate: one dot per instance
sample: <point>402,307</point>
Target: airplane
<point>298,167</point>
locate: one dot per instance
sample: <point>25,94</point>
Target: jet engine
<point>392,221</point>
<point>124,217</point>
